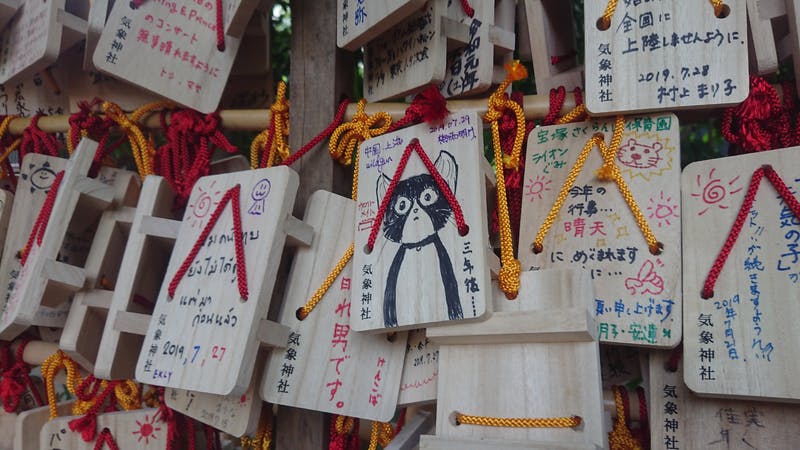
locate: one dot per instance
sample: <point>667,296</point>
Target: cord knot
<point>508,278</point>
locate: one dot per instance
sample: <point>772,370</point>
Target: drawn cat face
<point>639,156</point>
<point>418,208</point>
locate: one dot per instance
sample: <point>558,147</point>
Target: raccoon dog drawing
<point>416,213</point>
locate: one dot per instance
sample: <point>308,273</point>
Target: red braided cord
<point>191,442</point>
<point>429,106</point>
<point>644,420</point>
<point>512,177</point>
<point>16,379</point>
<point>86,425</point>
<point>232,196</point>
<point>578,93</point>
<point>468,10</point>
<point>34,140</point>
<point>348,441</point>
<point>401,421</point>
<point>756,124</point>
<point>106,438</point>
<point>91,383</point>
<point>414,145</point>
<point>186,156</point>
<point>557,98</point>
<point>556,59</point>
<point>169,417</point>
<point>40,225</point>
<point>674,358</point>
<point>749,198</point>
<point>220,28</point>
<point>337,120</point>
<point>626,405</point>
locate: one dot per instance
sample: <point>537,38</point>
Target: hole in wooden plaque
<point>603,24</point>
<point>725,12</point>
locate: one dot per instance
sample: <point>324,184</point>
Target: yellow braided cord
<point>140,146</point>
<point>3,130</point>
<point>306,309</point>
<point>608,13</point>
<point>620,438</point>
<point>381,434</point>
<point>511,269</point>
<point>344,424</point>
<point>519,422</point>
<point>128,395</point>
<point>263,437</point>
<point>718,7</point>
<point>608,171</point>
<point>279,128</point>
<point>50,368</point>
<point>70,147</point>
<point>577,113</point>
<point>150,398</point>
<point>346,138</point>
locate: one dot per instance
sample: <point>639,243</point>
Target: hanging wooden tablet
<point>429,262</point>
<point>37,34</point>
<point>210,316</point>
<point>27,97</point>
<point>739,339</point>
<point>407,57</point>
<point>421,422</point>
<point>638,298</point>
<point>790,45</point>
<point>95,22</point>
<point>420,370</point>
<point>83,329</point>
<point>236,415</point>
<point>7,10</point>
<point>30,423</point>
<point>6,202</point>
<point>470,65</point>
<point>54,270</point>
<point>140,429</point>
<point>169,50</point>
<point>664,56</point>
<point>536,356</point>
<point>762,35</point>
<point>679,419</point>
<point>359,21</point>
<point>147,252</point>
<point>326,366</point>
<point>550,33</point>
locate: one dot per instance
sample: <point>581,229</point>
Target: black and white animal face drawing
<point>417,211</point>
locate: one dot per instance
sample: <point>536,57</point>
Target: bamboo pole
<point>536,107</point>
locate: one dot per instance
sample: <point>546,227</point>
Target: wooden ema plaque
<point>437,44</point>
<point>204,335</point>
<point>169,50</point>
<point>50,277</point>
<point>36,175</point>
<point>140,429</point>
<point>30,423</point>
<point>553,44</point>
<point>420,370</point>
<point>83,329</point>
<point>30,96</point>
<point>478,42</point>
<point>7,10</point>
<point>665,56</point>
<point>638,298</point>
<point>359,21</point>
<point>738,342</point>
<point>326,366</point>
<point>536,356</point>
<point>36,35</point>
<point>236,415</point>
<point>421,271</point>
<point>147,252</point>
<point>679,419</point>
